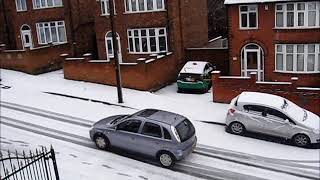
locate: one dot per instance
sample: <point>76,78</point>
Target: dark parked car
<point>166,136</point>
<point>195,75</point>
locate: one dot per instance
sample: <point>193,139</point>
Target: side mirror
<point>264,114</point>
<point>287,121</point>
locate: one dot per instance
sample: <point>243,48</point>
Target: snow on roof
<point>261,98</point>
<point>253,1</point>
<point>194,67</point>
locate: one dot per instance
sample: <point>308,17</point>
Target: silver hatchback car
<point>166,136</point>
<point>273,115</point>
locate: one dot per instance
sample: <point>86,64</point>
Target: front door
<point>26,38</point>
<point>109,48</point>
<point>253,61</point>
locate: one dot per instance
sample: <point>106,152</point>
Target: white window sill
<point>140,12</point>
<point>295,28</point>
<point>146,53</point>
<point>35,8</point>
<point>22,10</point>
<point>248,29</point>
<point>295,72</point>
<point>105,15</point>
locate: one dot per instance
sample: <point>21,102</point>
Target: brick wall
<point>225,88</point>
<point>266,36</point>
<point>218,57</point>
<point>34,61</point>
<point>140,76</point>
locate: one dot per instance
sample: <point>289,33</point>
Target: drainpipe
<point>180,29</point>
<point>74,51</point>
<point>7,37</point>
<point>168,26</point>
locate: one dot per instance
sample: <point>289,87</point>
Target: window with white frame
<point>51,32</point>
<point>248,16</point>
<point>21,5</point>
<point>297,15</point>
<point>105,7</point>
<point>151,40</point>
<point>144,5</point>
<point>37,4</point>
<point>298,58</point>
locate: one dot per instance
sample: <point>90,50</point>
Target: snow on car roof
<point>261,98</point>
<point>194,67</point>
<point>253,1</point>
<point>161,116</point>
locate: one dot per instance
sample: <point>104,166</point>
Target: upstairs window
<point>297,15</point>
<point>144,5</point>
<point>21,5</point>
<point>105,10</point>
<point>38,4</point>
<point>248,17</point>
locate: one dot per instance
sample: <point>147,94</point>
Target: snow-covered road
<point>31,116</point>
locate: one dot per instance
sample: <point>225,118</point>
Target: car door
<point>125,135</point>
<point>150,139</point>
<point>254,119</point>
<point>277,125</point>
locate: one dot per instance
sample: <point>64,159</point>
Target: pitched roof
<point>254,1</point>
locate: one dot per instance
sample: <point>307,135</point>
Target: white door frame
<point>119,47</point>
<point>260,67</point>
<point>23,39</point>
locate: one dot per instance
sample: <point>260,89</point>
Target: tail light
<point>231,111</point>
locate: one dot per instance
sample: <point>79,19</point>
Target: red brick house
<point>152,36</point>
<point>277,39</point>
<point>59,26</point>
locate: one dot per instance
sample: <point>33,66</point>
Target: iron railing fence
<point>38,165</point>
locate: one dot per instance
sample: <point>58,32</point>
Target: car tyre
<point>102,142</point>
<point>301,140</point>
<point>180,90</point>
<point>236,128</point>
<point>166,159</point>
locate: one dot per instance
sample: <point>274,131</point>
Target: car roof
<point>194,67</point>
<point>160,116</point>
<point>258,98</point>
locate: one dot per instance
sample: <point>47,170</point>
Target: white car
<point>273,115</point>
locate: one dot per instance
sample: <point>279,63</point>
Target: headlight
<point>316,131</point>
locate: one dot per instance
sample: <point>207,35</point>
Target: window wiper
<point>285,104</point>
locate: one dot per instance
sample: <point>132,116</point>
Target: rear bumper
<point>191,85</point>
<point>181,154</point>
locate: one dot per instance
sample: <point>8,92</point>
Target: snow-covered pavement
<point>217,145</point>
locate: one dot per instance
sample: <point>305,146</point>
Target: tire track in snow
<point>211,152</point>
<point>192,170</point>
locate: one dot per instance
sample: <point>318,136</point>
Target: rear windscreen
<point>185,130</point>
<point>186,76</point>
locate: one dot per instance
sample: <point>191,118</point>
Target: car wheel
<point>101,142</point>
<point>237,128</point>
<point>166,159</point>
<point>180,90</point>
<point>301,140</point>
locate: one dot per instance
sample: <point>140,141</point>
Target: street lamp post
<point>115,52</point>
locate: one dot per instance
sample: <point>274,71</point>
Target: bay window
<point>144,5</point>
<point>297,58</point>
<point>297,15</point>
<point>51,32</point>
<point>150,40</point>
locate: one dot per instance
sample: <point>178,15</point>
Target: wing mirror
<point>287,121</point>
<point>264,114</point>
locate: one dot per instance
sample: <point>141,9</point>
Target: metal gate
<point>38,165</point>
